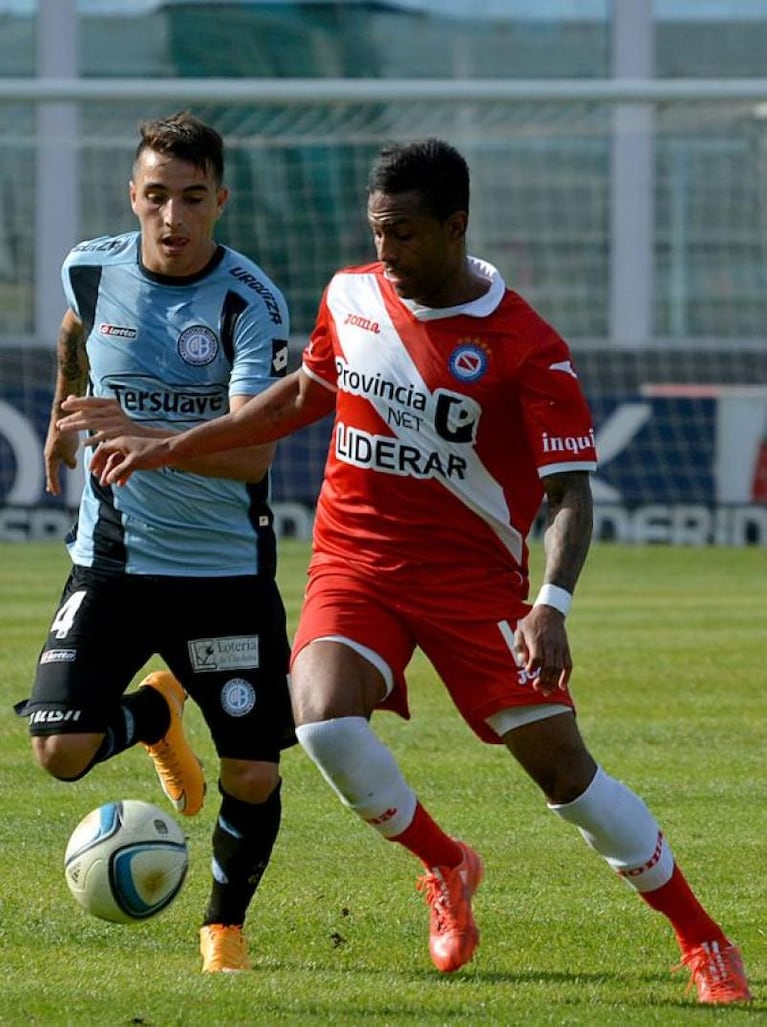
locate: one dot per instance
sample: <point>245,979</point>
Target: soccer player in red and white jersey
<point>457,410</point>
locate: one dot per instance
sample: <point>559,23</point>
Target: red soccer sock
<point>426,840</point>
<point>676,900</point>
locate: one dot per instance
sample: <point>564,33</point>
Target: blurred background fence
<point>619,182</point>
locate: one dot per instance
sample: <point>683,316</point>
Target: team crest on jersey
<point>197,345</point>
<point>238,697</point>
<point>468,361</point>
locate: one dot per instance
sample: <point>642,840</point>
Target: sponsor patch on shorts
<point>236,652</point>
<point>59,656</point>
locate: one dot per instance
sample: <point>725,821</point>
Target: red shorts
<point>466,637</point>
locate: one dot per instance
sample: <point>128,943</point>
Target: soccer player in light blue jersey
<point>166,329</point>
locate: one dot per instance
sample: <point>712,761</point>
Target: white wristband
<point>553,595</point>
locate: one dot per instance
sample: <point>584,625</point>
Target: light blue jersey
<point>172,351</point>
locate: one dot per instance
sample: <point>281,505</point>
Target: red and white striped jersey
<point>446,421</point>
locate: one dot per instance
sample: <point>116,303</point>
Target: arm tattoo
<point>72,361</point>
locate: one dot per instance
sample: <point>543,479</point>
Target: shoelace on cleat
<point>715,970</point>
<point>170,770</point>
<point>437,895</point>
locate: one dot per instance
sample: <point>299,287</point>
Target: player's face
<point>423,257</point>
<point>177,206</point>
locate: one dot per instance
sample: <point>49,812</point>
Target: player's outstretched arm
<point>286,406</point>
<point>540,640</point>
<point>104,419</point>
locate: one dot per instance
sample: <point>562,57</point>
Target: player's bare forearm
<point>104,419</point>
<point>248,463</point>
<point>540,639</point>
<point>71,377</point>
<point>72,361</point>
<point>569,524</point>
<point>283,408</point>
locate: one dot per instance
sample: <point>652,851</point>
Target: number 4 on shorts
<point>65,618</point>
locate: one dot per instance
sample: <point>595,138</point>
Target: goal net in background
<point>545,207</point>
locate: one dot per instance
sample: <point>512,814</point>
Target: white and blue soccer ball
<point>126,861</point>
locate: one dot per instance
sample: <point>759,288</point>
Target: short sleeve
<point>318,358</point>
<point>555,409</point>
<point>261,340</point>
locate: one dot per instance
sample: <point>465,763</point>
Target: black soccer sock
<point>141,716</point>
<point>242,844</point>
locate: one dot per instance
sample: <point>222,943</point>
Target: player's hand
<point>115,460</point>
<point>542,648</point>
<point>103,418</point>
<point>60,448</point>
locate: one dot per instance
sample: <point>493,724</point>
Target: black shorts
<point>225,639</point>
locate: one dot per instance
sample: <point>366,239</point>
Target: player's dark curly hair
<point>184,136</point>
<point>430,167</point>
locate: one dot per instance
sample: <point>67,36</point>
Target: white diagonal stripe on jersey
<point>382,357</point>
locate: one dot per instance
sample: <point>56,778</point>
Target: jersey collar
<point>153,276</point>
<point>481,307</point>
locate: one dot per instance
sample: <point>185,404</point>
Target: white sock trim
<point>361,771</point>
<point>615,822</point>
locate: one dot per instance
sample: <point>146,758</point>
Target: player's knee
<point>347,753</point>
<point>65,757</point>
<point>554,755</point>
<point>331,742</point>
<point>566,782</point>
<point>250,781</point>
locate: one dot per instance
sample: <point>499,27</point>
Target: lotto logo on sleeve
<point>236,652</point>
<point>279,358</point>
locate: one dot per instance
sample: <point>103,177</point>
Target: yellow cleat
<point>178,769</point>
<point>224,949</point>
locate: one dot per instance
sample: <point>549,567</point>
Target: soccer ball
<point>125,861</point>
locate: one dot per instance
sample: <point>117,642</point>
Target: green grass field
<point>670,648</point>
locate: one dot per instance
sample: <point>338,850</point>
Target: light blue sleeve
<point>260,346</point>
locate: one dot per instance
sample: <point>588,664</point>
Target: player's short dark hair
<point>184,136</point>
<point>430,167</point>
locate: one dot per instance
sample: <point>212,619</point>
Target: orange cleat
<point>717,972</point>
<point>453,935</point>
<point>223,949</point>
<point>178,769</point>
